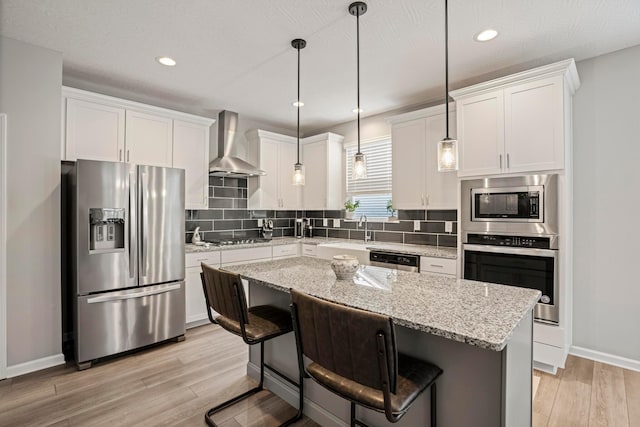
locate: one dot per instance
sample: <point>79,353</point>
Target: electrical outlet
<point>416,225</point>
<point>336,223</point>
<point>325,222</point>
<point>259,222</point>
<point>448,226</point>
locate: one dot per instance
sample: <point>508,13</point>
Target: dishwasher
<point>395,260</point>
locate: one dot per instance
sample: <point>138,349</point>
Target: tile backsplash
<point>229,217</point>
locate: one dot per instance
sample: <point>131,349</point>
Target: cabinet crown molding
<point>255,134</point>
<point>70,92</point>
<point>421,114</point>
<point>327,136</point>
<point>567,68</point>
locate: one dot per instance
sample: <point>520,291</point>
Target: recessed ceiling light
<point>165,60</point>
<point>297,104</point>
<point>358,110</point>
<point>486,35</point>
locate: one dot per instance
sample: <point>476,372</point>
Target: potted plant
<point>392,216</point>
<point>350,207</point>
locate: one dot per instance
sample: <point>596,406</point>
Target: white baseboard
<point>35,365</point>
<point>289,394</point>
<point>549,369</point>
<point>607,358</point>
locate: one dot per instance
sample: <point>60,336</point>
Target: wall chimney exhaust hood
<point>226,164</point>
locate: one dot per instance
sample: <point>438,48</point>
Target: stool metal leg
<point>433,405</point>
<point>258,388</point>
<point>234,400</point>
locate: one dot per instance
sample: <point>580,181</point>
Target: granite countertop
<point>421,250</point>
<point>477,313</point>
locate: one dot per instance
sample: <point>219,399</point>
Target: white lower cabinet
<point>309,250</point>
<point>286,251</point>
<point>442,266</point>
<point>196,306</point>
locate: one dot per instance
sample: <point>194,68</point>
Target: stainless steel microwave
<point>522,205</point>
<point>514,204</point>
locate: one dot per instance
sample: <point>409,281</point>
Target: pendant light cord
<point>298,127</point>
<point>446,64</point>
<point>358,71</point>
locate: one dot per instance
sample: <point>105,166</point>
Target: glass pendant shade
<point>447,155</point>
<point>359,166</point>
<point>298,174</point>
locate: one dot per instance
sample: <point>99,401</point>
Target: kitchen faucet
<point>367,235</point>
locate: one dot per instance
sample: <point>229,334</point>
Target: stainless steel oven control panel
<point>512,241</point>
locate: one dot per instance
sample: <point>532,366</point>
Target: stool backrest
<point>224,293</point>
<point>346,340</point>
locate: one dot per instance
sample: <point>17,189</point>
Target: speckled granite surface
<point>421,250</point>
<point>480,314</point>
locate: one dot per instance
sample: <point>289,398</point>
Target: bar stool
<point>224,294</point>
<point>353,354</point>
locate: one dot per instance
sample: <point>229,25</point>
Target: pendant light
<point>447,148</point>
<point>359,166</point>
<point>298,168</point>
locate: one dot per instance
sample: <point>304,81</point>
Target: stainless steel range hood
<point>226,164</point>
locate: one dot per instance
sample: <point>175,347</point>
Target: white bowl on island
<point>344,266</point>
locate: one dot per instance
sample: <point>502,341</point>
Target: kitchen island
<point>480,334</point>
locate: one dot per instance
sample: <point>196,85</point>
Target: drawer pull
<point>202,259</point>
<point>437,265</point>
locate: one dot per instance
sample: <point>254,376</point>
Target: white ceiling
<point>237,55</point>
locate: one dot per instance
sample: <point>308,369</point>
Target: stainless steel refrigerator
<point>127,257</point>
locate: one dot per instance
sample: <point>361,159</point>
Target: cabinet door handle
<point>508,161</point>
<point>500,161</point>
<point>127,156</point>
<point>120,155</point>
<point>426,200</point>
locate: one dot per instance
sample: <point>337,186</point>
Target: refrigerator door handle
<point>132,225</point>
<point>143,223</point>
<point>107,298</point>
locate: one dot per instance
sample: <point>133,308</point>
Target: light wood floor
<point>175,384</point>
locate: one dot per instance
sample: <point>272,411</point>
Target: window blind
<point>378,181</point>
<point>375,191</point>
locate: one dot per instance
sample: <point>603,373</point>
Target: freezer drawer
<point>114,322</point>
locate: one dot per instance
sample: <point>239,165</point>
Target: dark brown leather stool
<point>353,354</point>
<point>224,294</point>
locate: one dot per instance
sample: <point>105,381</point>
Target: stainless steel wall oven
<point>510,235</point>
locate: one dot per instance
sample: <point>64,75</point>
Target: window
<point>375,191</point>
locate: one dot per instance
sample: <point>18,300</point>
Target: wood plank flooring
<point>174,385</point>
<point>587,393</point>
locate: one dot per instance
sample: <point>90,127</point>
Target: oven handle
<point>550,253</point>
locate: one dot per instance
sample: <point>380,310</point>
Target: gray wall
<point>30,82</point>
<point>607,204</point>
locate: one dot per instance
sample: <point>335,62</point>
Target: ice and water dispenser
<point>106,229</point>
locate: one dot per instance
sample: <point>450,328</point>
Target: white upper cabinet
<point>191,153</point>
<point>534,125</point>
<point>519,123</point>
<point>149,139</point>
<point>99,127</point>
<point>441,188</point>
<point>408,144</point>
<point>322,157</point>
<point>416,182</point>
<point>275,154</point>
<point>94,131</point>
<point>481,127</point>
